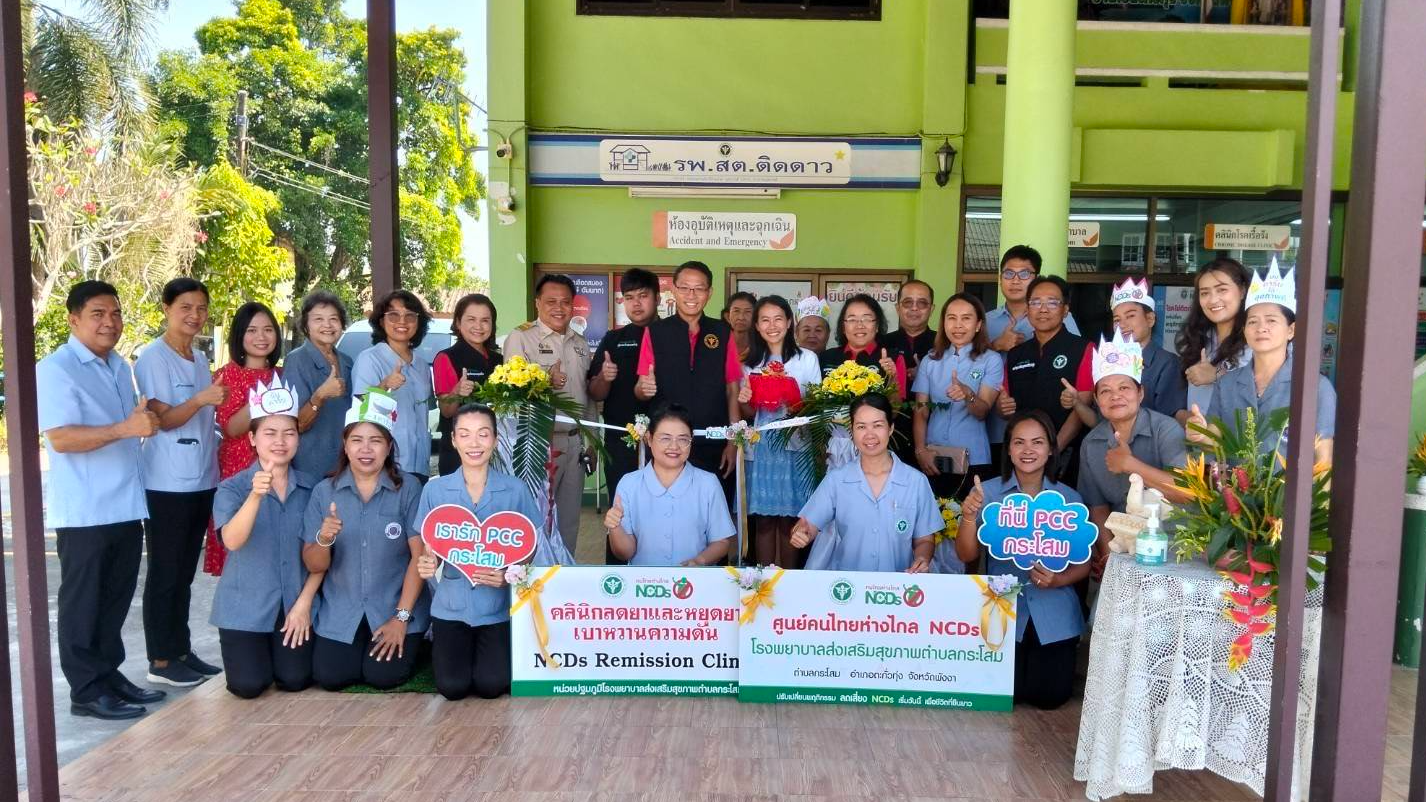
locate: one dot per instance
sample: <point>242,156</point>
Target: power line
<point>259,172</point>
<point>308,162</point>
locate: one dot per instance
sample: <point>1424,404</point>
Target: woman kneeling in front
<point>1048,621</point>
<point>372,612</point>
<point>885,514</point>
<point>669,512</point>
<point>470,624</point>
<point>263,605</point>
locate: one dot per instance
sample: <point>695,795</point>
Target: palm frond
<point>70,69</point>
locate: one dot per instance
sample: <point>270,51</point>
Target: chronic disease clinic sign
<point>626,630</point>
<point>876,638</point>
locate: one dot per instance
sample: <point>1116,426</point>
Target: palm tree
<point>88,66</point>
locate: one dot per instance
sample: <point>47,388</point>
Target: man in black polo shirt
<point>690,359</point>
<point>1052,371</point>
<point>911,341</point>
<point>613,372</point>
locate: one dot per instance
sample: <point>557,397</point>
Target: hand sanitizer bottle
<point>1152,545</point>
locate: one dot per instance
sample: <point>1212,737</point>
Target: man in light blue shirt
<point>1009,325</point>
<point>92,420</point>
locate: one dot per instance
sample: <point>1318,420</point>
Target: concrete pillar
<point>509,232</point>
<point>1039,124</point>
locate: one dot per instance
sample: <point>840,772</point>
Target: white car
<point>357,338</point>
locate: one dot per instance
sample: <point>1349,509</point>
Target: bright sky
<point>175,32</point>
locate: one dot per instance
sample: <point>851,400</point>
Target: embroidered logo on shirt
<point>711,341</point>
<point>1061,361</point>
<point>976,374</point>
<point>902,525</point>
<point>393,530</point>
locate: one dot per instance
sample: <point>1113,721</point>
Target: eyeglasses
<point>666,440</point>
<point>401,317</point>
<point>860,320</point>
<point>1045,303</point>
<point>687,290</point>
<point>915,303</point>
<point>1010,275</point>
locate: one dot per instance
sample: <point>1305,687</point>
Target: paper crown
<point>812,305</point>
<point>1274,287</point>
<point>1131,290</point>
<point>1121,356</point>
<point>377,406</point>
<point>277,398</point>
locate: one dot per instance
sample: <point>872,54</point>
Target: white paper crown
<point>1122,356</point>
<point>812,305</point>
<point>1274,287</point>
<point>377,406</point>
<point>277,398</point>
<point>1131,290</point>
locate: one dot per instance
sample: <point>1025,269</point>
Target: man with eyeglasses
<point>690,359</point>
<point>1052,371</point>
<point>911,341</point>
<point>549,342</point>
<point>1008,325</point>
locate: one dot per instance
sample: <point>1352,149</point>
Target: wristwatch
<point>403,615</point>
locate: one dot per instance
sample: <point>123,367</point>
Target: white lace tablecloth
<point>1159,693</point>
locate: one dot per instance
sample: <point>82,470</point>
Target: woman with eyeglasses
<point>398,324</point>
<point>669,512</point>
<point>861,325</point>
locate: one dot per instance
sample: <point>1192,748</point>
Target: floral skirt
<point>774,487</point>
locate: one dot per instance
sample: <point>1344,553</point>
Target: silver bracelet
<point>326,545</point>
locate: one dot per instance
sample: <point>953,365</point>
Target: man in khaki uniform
<point>549,342</point>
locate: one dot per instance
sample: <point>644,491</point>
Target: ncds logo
<point>681,589</point>
<point>908,595</point>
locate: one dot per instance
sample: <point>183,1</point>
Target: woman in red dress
<point>254,346</point>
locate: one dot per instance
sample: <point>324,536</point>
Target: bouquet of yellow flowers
<point>826,406</point>
<point>519,389</point>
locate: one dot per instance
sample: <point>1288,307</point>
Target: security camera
<point>504,150</point>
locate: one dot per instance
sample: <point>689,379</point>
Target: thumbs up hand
<point>331,526</point>
<point>1203,373</point>
<point>212,395</point>
<point>1118,459</point>
<point>262,483</point>
<point>141,422</point>
<point>646,387</point>
<point>608,371</point>
<point>1068,396</point>
<point>394,380</point>
<point>334,387</point>
<point>465,388</point>
<point>426,563</point>
<point>745,393</point>
<point>888,365</point>
<point>958,391</point>
<point>615,516</point>
<point>1196,421</point>
<point>975,501</point>
<point>1005,404</point>
<point>557,375</point>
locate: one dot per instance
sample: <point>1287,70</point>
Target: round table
<point>1159,693</point>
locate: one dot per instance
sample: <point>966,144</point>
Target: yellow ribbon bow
<point>993,604</point>
<point>762,597</point>
<point>531,593</point>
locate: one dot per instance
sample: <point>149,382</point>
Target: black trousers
<point>1044,673</point>
<point>336,665</point>
<point>252,661</point>
<point>98,571</point>
<point>468,659</point>
<point>622,461</point>
<point>174,534</point>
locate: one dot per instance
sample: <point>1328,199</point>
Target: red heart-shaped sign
<point>455,535</point>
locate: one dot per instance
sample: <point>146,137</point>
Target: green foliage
<point>303,63</point>
<point>236,258</point>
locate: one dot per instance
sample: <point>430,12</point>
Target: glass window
<point>1193,231</point>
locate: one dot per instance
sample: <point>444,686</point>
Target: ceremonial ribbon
<point>712,433</point>
<point>993,604</point>
<point>531,593</point>
<point>761,597</point>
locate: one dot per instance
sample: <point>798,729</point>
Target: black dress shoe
<point>107,707</point>
<point>132,693</point>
